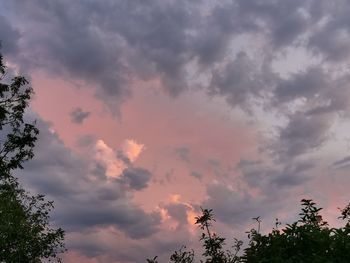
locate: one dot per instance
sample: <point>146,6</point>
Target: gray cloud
<point>121,156</point>
<point>303,134</point>
<point>160,245</point>
<point>294,174</point>
<point>178,212</point>
<point>9,37</point>
<point>85,140</point>
<point>236,207</point>
<point>78,115</point>
<point>92,213</point>
<point>331,39</point>
<point>183,153</point>
<point>305,85</point>
<point>110,43</point>
<point>271,177</point>
<point>241,81</point>
<point>136,178</point>
<point>84,199</point>
<point>234,204</point>
<point>342,163</point>
<point>197,175</point>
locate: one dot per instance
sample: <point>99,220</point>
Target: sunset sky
<point>151,109</point>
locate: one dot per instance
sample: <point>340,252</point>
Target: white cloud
<point>132,149</point>
<point>106,155</point>
<point>109,158</point>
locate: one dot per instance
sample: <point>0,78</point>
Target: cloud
<point>78,115</point>
<point>306,85</point>
<point>183,153</point>
<point>197,175</point>
<point>86,140</point>
<point>10,37</point>
<point>330,39</point>
<point>179,212</point>
<point>233,206</point>
<point>132,149</point>
<point>130,219</point>
<point>136,178</point>
<point>267,176</point>
<point>106,156</point>
<point>174,42</point>
<point>236,50</point>
<point>84,201</point>
<point>303,134</point>
<point>116,161</point>
<point>240,81</point>
<point>342,163</point>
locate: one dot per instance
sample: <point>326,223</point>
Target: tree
<point>17,138</point>
<point>309,240</point>
<point>25,231</point>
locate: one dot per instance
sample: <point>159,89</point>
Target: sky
<point>151,109</point>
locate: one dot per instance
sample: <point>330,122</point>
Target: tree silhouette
<point>309,240</point>
<point>25,232</point>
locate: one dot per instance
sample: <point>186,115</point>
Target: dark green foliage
<point>345,214</point>
<point>25,232</point>
<point>17,138</point>
<point>308,240</point>
<point>181,256</point>
<point>212,243</point>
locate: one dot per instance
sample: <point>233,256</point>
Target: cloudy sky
<point>149,109</point>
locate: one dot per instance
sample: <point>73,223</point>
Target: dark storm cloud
<point>78,115</point>
<point>84,200</point>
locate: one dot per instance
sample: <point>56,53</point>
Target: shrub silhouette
<point>309,240</point>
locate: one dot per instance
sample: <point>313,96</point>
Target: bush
<point>310,239</point>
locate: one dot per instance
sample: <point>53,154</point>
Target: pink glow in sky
<point>149,110</point>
